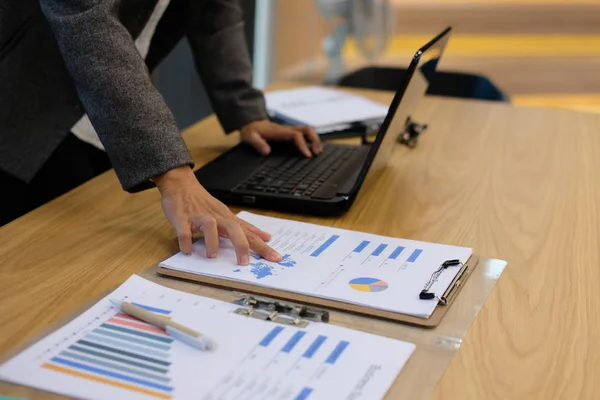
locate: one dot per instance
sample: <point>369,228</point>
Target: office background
<point>539,52</point>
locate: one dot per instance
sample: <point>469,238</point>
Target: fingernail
<point>276,256</point>
<point>244,260</point>
<point>213,255</point>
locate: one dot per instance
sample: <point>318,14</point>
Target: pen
<point>177,331</point>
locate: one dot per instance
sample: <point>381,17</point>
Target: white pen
<point>177,331</point>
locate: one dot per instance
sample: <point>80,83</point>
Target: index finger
<point>261,248</point>
<point>265,236</point>
<point>313,138</point>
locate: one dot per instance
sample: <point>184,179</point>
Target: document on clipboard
<point>392,275</point>
<point>105,354</point>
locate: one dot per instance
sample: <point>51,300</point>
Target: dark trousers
<point>74,162</point>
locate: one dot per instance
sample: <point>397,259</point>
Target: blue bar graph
<point>303,395</point>
<point>415,254</point>
<point>361,246</point>
<point>289,346</point>
<point>337,352</point>
<point>270,336</point>
<point>314,346</point>
<point>396,252</point>
<point>379,249</point>
<point>324,246</point>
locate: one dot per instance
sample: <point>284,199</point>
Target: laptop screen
<point>414,85</point>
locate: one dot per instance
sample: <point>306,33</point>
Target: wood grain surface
<point>519,184</point>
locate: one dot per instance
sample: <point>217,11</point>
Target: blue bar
<point>303,395</point>
<point>396,252</point>
<point>361,246</point>
<point>127,345</point>
<point>379,249</point>
<point>117,359</point>
<point>415,254</point>
<point>153,309</point>
<point>314,346</point>
<point>270,336</point>
<point>324,246</point>
<point>101,363</point>
<point>122,353</point>
<point>163,339</point>
<point>289,346</point>
<point>132,339</point>
<point>111,374</point>
<point>335,354</point>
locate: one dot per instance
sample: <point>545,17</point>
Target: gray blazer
<point>61,57</point>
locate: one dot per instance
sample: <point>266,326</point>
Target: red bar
<point>129,324</point>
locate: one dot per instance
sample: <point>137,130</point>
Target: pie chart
<point>368,284</point>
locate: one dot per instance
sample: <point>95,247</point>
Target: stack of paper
<point>324,109</point>
<point>369,270</point>
<point>104,354</point>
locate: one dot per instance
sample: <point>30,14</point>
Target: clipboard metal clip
<point>411,133</point>
<point>268,309</point>
<point>449,294</point>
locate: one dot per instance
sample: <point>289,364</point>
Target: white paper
<point>92,357</point>
<point>323,108</point>
<point>335,264</point>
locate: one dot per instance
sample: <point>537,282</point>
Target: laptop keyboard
<point>297,176</point>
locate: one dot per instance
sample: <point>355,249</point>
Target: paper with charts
<point>376,271</point>
<point>103,354</point>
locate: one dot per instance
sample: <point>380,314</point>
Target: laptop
<point>328,184</point>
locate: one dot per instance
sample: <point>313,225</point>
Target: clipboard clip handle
<point>411,133</point>
<point>444,299</point>
<point>283,312</point>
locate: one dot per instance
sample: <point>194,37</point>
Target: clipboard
<point>446,299</point>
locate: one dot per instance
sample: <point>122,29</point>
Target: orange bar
<point>107,381</point>
<point>125,316</point>
<point>138,326</point>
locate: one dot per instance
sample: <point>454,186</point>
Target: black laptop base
<point>299,187</point>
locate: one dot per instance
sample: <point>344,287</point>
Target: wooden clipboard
<point>431,322</point>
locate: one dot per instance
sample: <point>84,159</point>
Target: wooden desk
<point>514,183</point>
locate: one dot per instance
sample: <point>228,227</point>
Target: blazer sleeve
<point>133,122</point>
<point>215,31</point>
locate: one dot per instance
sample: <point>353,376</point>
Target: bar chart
<point>287,363</point>
<point>122,352</point>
